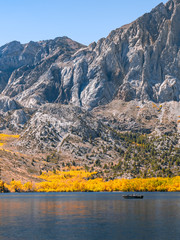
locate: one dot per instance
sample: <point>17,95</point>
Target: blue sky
<point>84,21</point>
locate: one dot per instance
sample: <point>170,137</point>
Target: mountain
<point>137,61</point>
<point>113,105</point>
<point>24,66</point>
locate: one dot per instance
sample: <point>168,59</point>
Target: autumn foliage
<point>82,181</point>
<point>17,186</point>
<point>4,138</point>
<point>79,180</point>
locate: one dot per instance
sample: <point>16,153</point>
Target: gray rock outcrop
<point>140,61</point>
<point>21,65</point>
<point>8,104</point>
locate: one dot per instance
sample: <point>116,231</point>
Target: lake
<point>89,216</point>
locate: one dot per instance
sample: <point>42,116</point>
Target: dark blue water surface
<point>89,216</point>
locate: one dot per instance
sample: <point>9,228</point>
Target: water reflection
<point>89,216</point>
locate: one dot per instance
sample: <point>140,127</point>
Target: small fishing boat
<point>133,196</point>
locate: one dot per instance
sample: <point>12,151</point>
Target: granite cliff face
<point>23,66</point>
<point>105,103</point>
<point>140,61</point>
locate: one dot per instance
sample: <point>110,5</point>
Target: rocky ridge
<point>137,61</point>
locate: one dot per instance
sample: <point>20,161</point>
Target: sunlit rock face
<point>139,61</point>
<point>23,67</point>
<point>8,104</point>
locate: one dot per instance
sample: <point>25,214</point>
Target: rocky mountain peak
<point>137,61</point>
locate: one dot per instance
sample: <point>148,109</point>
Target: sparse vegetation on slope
<point>6,138</point>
